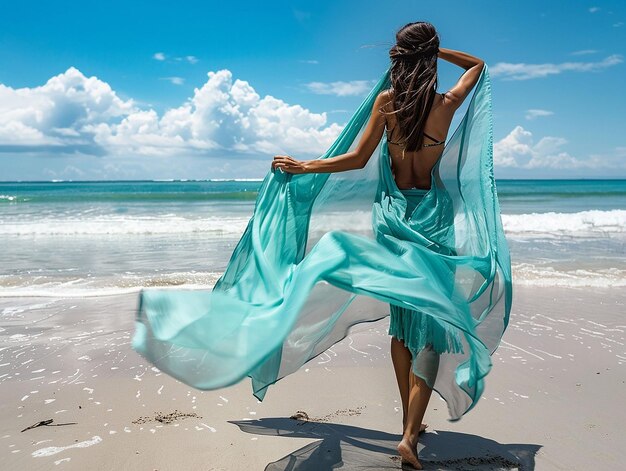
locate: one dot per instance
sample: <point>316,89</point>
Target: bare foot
<point>408,453</point>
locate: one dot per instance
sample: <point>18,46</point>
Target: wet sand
<point>554,399</point>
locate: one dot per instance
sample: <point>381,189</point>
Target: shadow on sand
<point>354,448</point>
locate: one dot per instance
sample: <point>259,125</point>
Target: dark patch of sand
<point>164,418</point>
<point>304,417</point>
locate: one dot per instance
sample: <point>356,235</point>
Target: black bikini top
<point>436,143</point>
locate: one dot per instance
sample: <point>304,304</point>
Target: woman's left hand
<point>288,164</point>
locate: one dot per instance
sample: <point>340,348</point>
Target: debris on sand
<point>166,418</point>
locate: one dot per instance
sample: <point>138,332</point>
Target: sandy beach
<point>553,400</point>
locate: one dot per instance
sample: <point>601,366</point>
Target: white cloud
<point>224,117</point>
<point>594,9</point>
<point>618,24</point>
<point>69,172</point>
<point>190,59</point>
<point>55,114</point>
<point>174,80</point>
<point>310,61</point>
<point>160,56</point>
<point>536,113</point>
<point>355,87</point>
<point>521,71</point>
<point>583,52</point>
<point>518,150</point>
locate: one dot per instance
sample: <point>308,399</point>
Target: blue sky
<point>141,90</point>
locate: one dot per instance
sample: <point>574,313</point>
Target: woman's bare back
<point>413,171</point>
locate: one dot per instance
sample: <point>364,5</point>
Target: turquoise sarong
<point>419,331</point>
<point>323,252</point>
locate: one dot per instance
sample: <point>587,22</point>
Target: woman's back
<point>413,169</point>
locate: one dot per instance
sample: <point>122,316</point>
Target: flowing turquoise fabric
<point>323,252</point>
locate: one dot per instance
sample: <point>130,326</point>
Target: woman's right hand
<point>288,164</point>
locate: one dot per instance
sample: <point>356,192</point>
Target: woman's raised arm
<point>473,67</point>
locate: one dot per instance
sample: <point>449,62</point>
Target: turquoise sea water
<point>91,238</point>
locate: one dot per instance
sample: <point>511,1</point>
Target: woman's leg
<point>401,357</point>
<point>419,395</point>
<point>418,401</point>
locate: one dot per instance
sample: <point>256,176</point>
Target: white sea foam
<point>94,286</point>
<point>169,224</point>
<point>529,274</point>
<point>526,274</point>
<point>83,292</point>
<point>582,223</point>
<point>235,180</point>
<point>126,225</point>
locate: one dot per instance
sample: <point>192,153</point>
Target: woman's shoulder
<point>386,94</point>
<point>385,99</point>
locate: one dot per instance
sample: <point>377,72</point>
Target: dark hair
<point>414,79</point>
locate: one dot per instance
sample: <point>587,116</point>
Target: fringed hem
<point>418,330</point>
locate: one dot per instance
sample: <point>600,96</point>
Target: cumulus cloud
<point>522,71</point>
<point>519,150</point>
<point>56,114</point>
<point>159,56</point>
<point>355,87</point>
<point>76,114</point>
<point>536,113</point>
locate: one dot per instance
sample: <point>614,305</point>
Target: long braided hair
<point>414,80</point>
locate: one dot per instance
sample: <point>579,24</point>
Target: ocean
<point>75,239</point>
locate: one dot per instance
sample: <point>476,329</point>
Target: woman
<point>416,120</point>
<point>306,269</point>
